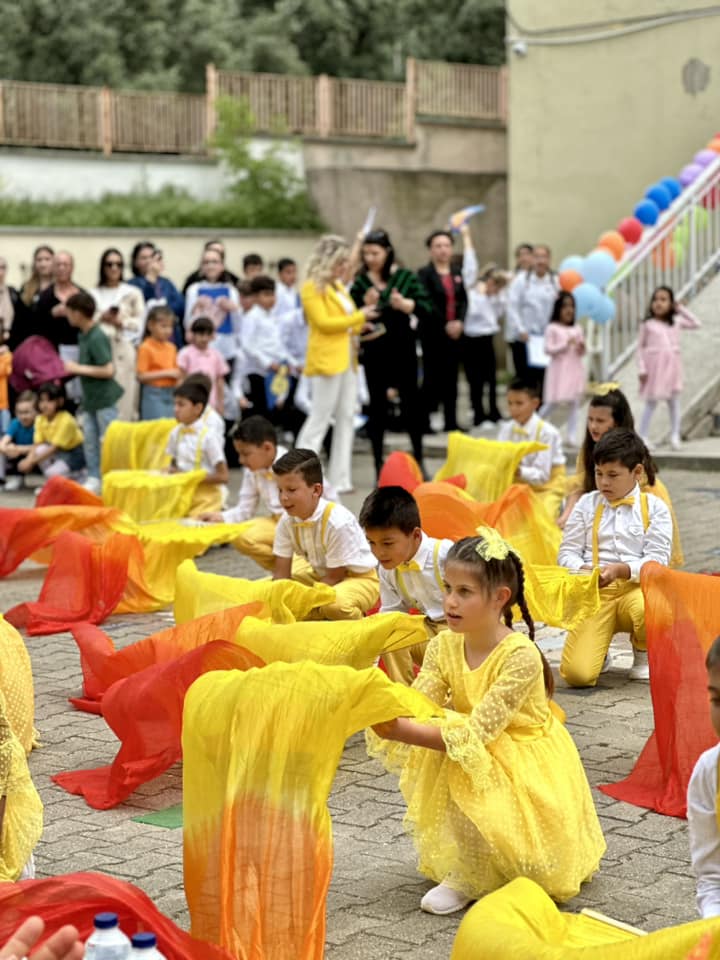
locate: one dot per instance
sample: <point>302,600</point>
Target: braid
<point>522,603</point>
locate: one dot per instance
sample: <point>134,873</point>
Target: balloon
<point>714,145</point>
<point>678,253</point>
<point>673,186</point>
<point>701,218</point>
<point>705,157</point>
<point>647,212</point>
<point>586,298</point>
<point>572,263</point>
<point>613,242</point>
<point>630,229</point>
<point>711,198</point>
<point>604,309</point>
<point>569,279</point>
<point>663,255</point>
<point>599,267</point>
<point>660,194</point>
<point>689,173</point>
<point>681,234</point>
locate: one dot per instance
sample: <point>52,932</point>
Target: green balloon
<point>681,234</point>
<point>701,217</point>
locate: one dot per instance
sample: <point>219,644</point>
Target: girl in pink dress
<point>658,359</point>
<point>565,378</point>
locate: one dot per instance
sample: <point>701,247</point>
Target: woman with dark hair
<point>389,352</point>
<point>147,266</point>
<point>121,313</point>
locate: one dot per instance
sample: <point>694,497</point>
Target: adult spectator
<point>121,313</point>
<point>389,353</point>
<point>228,276</point>
<point>218,300</point>
<point>40,278</point>
<point>441,331</point>
<point>531,298</point>
<point>253,265</point>
<point>147,266</point>
<point>523,257</point>
<point>331,364</point>
<point>50,312</point>
<point>12,308</point>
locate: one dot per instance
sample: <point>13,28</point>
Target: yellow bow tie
<point>269,475</point>
<point>521,431</point>
<point>304,525</point>
<point>184,431</point>
<point>411,567</point>
<point>625,502</point>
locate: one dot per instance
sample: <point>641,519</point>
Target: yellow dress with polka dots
<point>16,683</point>
<point>22,817</point>
<point>510,797</point>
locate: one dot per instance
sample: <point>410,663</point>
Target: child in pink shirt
<point>200,357</point>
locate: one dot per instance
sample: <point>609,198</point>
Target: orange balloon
<point>714,144</point>
<point>613,242</point>
<point>569,279</point>
<point>664,255</point>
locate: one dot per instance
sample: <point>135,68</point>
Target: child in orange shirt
<point>157,368</point>
<point>5,371</point>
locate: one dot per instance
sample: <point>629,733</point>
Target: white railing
<point>681,251</point>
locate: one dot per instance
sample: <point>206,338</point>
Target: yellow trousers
<point>552,493</point>
<point>354,596</point>
<point>256,540</point>
<point>622,609</point>
<point>400,664</point>
<point>208,498</point>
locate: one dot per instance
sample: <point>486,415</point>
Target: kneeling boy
<point>326,536</point>
<point>412,568</point>
<point>255,440</point>
<point>618,529</point>
<point>192,445</point>
<point>544,471</point>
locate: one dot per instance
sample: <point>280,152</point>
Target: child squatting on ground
<point>496,788</point>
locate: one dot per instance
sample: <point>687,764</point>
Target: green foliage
<point>165,44</point>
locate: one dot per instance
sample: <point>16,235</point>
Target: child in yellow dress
<point>324,538</point>
<point>21,811</point>
<point>193,445</point>
<point>496,789</point>
<point>411,568</point>
<point>255,441</point>
<point>544,471</point>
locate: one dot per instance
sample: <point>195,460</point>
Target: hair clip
<point>603,389</point>
<point>491,545</point>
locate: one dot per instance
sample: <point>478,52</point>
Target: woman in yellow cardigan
<point>331,361</point>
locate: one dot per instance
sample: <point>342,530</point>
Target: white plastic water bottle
<point>144,947</point>
<point>107,941</point>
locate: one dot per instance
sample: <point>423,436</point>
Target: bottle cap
<point>105,921</point>
<point>143,941</point>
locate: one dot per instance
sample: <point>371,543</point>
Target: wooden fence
<point>97,118</point>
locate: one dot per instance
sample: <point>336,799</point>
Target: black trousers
<point>480,370</point>
<point>441,364</point>
<point>519,355</point>
<point>398,372</point>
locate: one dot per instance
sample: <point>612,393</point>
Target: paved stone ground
<point>373,905</point>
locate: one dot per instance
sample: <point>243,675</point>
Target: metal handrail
<point>681,251</point>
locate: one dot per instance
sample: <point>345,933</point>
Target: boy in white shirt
<point>192,445</point>
<point>325,535</point>
<point>262,343</point>
<point>702,804</point>
<point>543,471</point>
<point>411,568</point>
<point>256,444</point>
<point>618,529</point>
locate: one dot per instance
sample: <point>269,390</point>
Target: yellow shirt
<point>62,431</point>
<point>330,325</point>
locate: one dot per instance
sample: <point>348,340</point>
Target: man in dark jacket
<point>440,334</point>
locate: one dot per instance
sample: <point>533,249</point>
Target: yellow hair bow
<point>491,545</point>
<point>603,389</point>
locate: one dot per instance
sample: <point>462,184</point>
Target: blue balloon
<point>586,299</point>
<point>572,263</point>
<point>647,212</point>
<point>660,194</point>
<point>604,309</point>
<point>599,268</point>
<point>673,186</point>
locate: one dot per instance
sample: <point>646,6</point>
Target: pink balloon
<point>704,158</point>
<point>689,173</point>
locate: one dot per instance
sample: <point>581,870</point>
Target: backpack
<point>36,361</point>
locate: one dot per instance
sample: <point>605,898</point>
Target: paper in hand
<point>369,221</point>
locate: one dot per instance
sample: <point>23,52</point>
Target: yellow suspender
<point>644,510</point>
<point>329,507</point>
<point>402,586</point>
<point>198,449</point>
<point>541,424</point>
<point>717,796</point>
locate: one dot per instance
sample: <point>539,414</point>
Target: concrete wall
<point>594,124</point>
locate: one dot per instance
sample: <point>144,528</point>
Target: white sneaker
<point>13,483</point>
<point>442,900</point>
<point>607,664</point>
<point>92,484</point>
<point>675,442</point>
<point>640,670</point>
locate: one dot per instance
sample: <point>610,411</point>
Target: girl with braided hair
<point>496,789</point>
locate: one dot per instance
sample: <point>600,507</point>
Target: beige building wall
<point>592,125</point>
